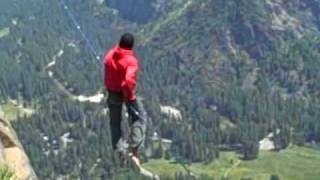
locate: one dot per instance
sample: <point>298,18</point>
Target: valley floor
<point>296,163</point>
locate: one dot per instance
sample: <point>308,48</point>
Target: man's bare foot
<point>142,171</point>
<point>135,159</point>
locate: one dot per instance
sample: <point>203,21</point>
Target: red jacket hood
<point>119,53</point>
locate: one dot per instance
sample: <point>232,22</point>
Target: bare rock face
<point>171,112</point>
<point>12,153</point>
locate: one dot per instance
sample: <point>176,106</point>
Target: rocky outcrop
<point>267,144</point>
<point>171,112</point>
<point>12,153</point>
<point>282,20</point>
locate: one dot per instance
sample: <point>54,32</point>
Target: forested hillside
<point>237,70</point>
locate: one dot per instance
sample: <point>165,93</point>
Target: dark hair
<point>126,41</point>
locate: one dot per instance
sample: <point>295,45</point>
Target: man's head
<point>126,41</point>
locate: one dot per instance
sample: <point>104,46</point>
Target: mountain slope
<point>235,70</point>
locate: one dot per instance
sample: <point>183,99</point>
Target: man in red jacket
<point>120,78</point>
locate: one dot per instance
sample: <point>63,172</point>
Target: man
<point>120,78</point>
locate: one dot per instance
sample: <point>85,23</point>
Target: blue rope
<point>78,27</point>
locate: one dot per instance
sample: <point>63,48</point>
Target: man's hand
<point>133,109</point>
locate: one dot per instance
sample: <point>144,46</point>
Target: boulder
<point>12,153</point>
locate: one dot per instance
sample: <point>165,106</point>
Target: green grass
<point>164,167</point>
<point>297,163</point>
<point>4,32</point>
<point>10,111</point>
<point>170,167</point>
<point>291,164</point>
<point>226,123</point>
<point>6,174</point>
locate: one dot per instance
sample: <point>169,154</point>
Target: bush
<point>6,174</point>
<point>274,177</point>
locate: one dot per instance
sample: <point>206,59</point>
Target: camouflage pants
<point>137,123</point>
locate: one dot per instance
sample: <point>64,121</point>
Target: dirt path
<point>97,98</point>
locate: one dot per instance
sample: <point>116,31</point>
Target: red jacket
<point>120,72</point>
